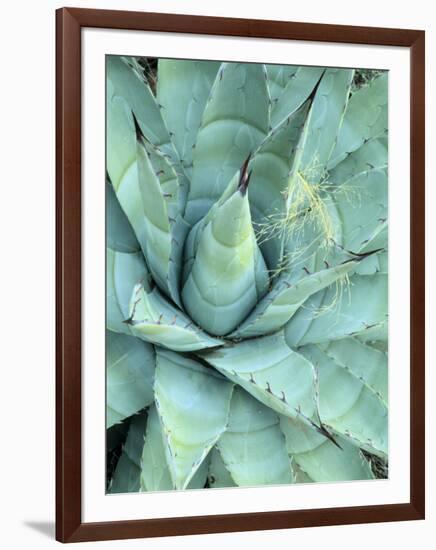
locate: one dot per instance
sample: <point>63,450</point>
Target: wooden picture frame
<point>69,526</point>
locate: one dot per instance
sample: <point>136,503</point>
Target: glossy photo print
<point>247,274</point>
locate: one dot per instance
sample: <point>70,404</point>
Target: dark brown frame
<point>69,22</point>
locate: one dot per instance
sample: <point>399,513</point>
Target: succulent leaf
<point>164,230</point>
<point>348,405</point>
<point>130,376</point>
<point>120,235</point>
<point>341,313</point>
<point>155,474</point>
<point>297,90</point>
<point>228,274</point>
<point>327,111</point>
<point>235,121</point>
<point>270,371</point>
<point>157,321</point>
<point>278,78</point>
<point>367,364</point>
<point>278,307</point>
<point>126,478</point>
<point>183,88</point>
<point>373,154</point>
<point>253,447</point>
<point>247,271</point>
<point>319,458</point>
<point>123,272</point>
<point>366,117</point>
<point>189,394</point>
<point>126,92</point>
<point>360,228</point>
<point>273,169</point>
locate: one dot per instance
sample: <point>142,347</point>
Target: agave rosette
<point>246,275</point>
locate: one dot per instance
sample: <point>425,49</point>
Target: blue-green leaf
<point>348,405</point>
<point>123,272</point>
<point>270,371</point>
<point>228,274</point>
<point>320,458</point>
<point>253,447</point>
<point>119,232</point>
<point>287,296</point>
<point>366,117</point>
<point>234,122</point>
<point>327,112</point>
<point>295,93</point>
<point>183,88</point>
<point>155,320</point>
<point>130,365</point>
<point>338,312</point>
<point>189,395</point>
<point>278,78</point>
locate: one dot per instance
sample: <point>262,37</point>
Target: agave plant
<point>246,275</point>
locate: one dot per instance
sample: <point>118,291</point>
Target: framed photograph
<point>240,274</point>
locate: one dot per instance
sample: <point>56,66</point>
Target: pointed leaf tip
<point>315,89</point>
<point>244,178</point>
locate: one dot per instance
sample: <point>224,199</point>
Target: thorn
<point>129,321</point>
<point>306,270</point>
<point>268,388</point>
<point>312,95</point>
<point>323,431</point>
<point>244,178</point>
<point>283,398</point>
